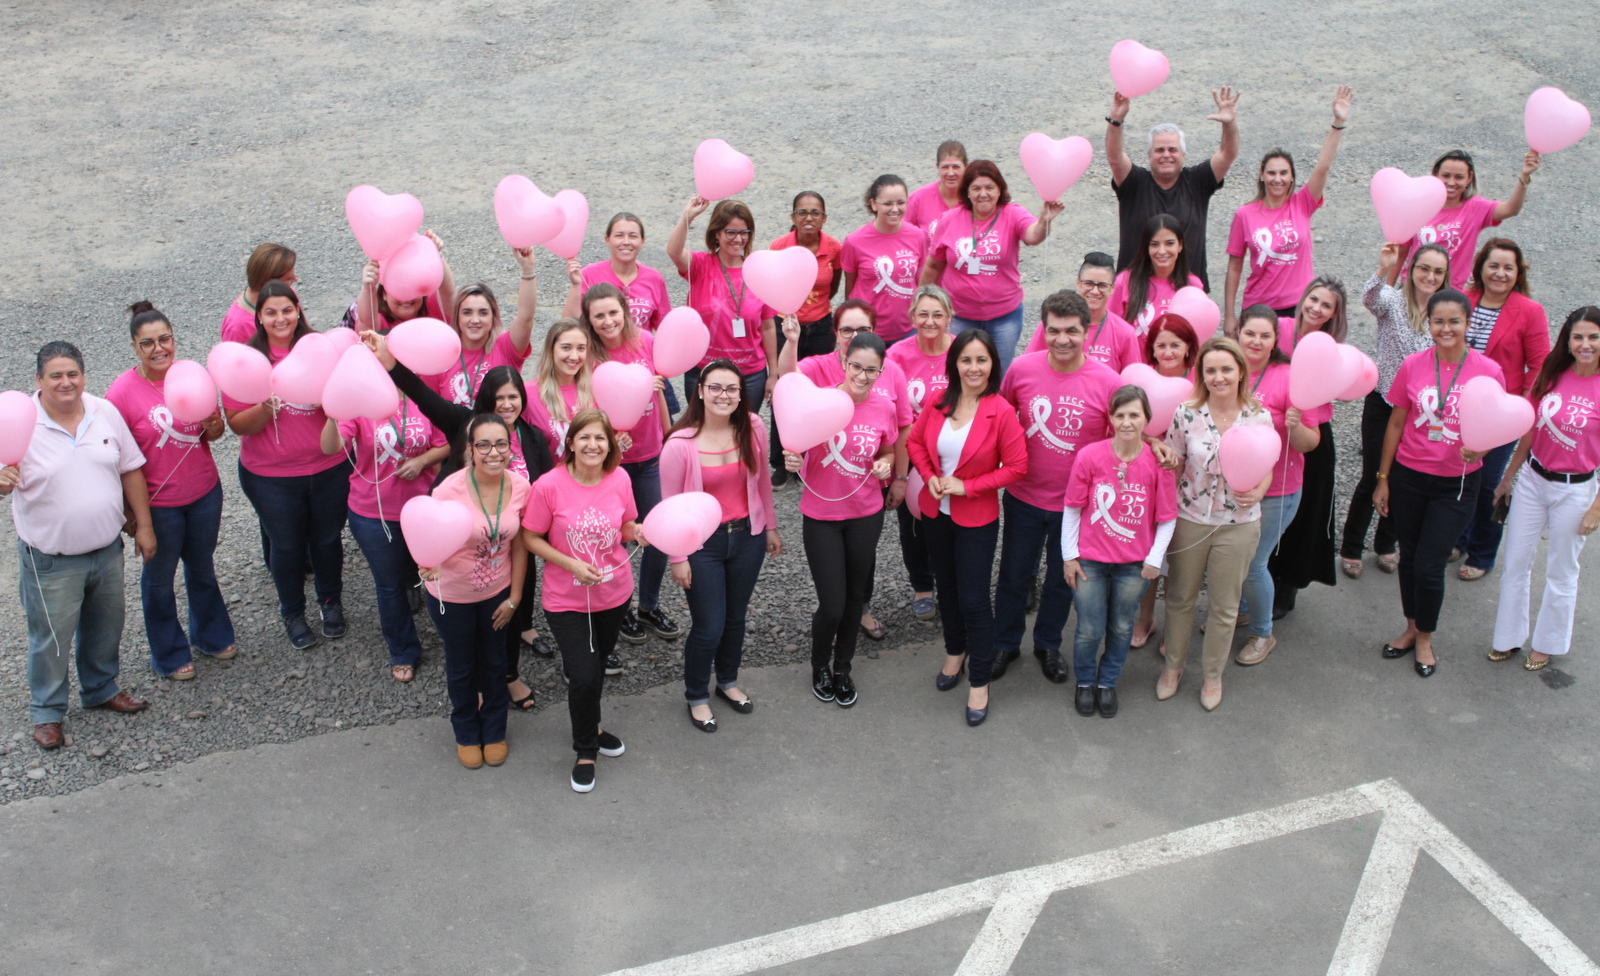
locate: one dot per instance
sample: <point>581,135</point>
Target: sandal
<point>1470,573</point>
<point>403,673</point>
<point>523,704</point>
<point>185,673</point>
<point>226,654</point>
<point>877,632</point>
<point>1389,562</point>
<point>1531,665</point>
<point>1502,655</point>
<point>1350,567</point>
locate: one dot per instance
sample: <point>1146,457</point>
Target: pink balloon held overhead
<point>414,271</point>
<point>434,529</point>
<point>782,279</point>
<point>425,346</point>
<point>1404,203</point>
<point>624,392</point>
<point>1137,70</point>
<point>189,391</point>
<point>526,216</point>
<point>1552,121</point>
<point>359,386</point>
<point>1196,308</point>
<point>18,416</point>
<point>240,372</point>
<point>575,221</point>
<point>721,171</point>
<point>1490,416</point>
<point>382,222</point>
<point>1055,164</point>
<point>806,414</point>
<point>682,340</point>
<point>1247,454</point>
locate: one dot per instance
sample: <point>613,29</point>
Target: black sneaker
<point>300,634</point>
<point>332,619</point>
<point>1033,595</point>
<point>614,664</point>
<point>583,777</point>
<point>822,685</point>
<point>658,623</point>
<point>844,690</point>
<point>780,477</point>
<point>611,746</point>
<point>631,631</point>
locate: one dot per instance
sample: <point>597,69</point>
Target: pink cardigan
<point>680,472</point>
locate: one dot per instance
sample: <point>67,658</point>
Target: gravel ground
<point>148,147</point>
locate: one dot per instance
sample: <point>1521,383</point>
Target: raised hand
<point>1341,104</point>
<point>1227,105</point>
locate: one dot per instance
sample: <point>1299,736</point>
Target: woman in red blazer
<point>1510,328</point>
<point>967,447</point>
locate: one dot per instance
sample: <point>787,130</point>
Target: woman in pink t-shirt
<point>1274,229</point>
<point>1145,289</point>
<point>473,594</point>
<point>185,505</point>
<point>561,382</point>
<point>475,315</point>
<point>719,447</point>
<point>975,256</point>
<point>930,202</point>
<point>1107,338</point>
<point>579,516</point>
<point>1465,214</point>
<point>841,508</point>
<point>1427,480</point>
<point>299,493</point>
<point>391,460</point>
<point>268,262</point>
<point>1556,493</point>
<point>882,259</point>
<point>390,311</point>
<point>742,328</point>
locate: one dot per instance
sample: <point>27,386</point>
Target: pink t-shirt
<point>826,370</point>
<point>1278,243</point>
<point>647,296</point>
<point>554,428</point>
<point>1566,431</point>
<point>586,523</point>
<point>239,325</point>
<point>459,383</point>
<point>1060,413</point>
<point>481,568</point>
<point>924,207</point>
<point>1112,342</point>
<point>729,484</point>
<point>1157,297</point>
<point>818,303</point>
<point>1120,515</point>
<point>982,276</point>
<point>432,308</point>
<point>710,296</point>
<point>1416,388</point>
<point>1456,229</point>
<point>290,445</point>
<point>838,474</point>
<point>378,450</point>
<point>1289,474</point>
<point>178,467</point>
<point>926,379</point>
<point>647,433</point>
<point>886,267</point>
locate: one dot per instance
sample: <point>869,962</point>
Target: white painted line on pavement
<point>1383,886</point>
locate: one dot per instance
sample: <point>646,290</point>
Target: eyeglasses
<point>1088,285</point>
<point>716,391</point>
<point>930,316</point>
<point>735,234</point>
<point>806,213</point>
<point>145,345</point>
<point>492,447</point>
<point>859,369</point>
<point>852,332</point>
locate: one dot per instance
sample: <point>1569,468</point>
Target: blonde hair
<point>549,384</point>
<point>1417,311</point>
<point>1202,392</point>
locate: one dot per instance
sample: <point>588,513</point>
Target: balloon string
<point>174,470</point>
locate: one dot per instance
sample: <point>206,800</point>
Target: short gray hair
<point>1163,129</point>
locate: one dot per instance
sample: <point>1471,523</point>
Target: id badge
<point>1435,433</point>
<point>738,327</point>
<point>975,268</point>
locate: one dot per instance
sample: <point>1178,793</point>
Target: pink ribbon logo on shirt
<point>970,262</point>
<point>884,265</point>
<point>162,418</point>
<point>387,443</point>
<point>1263,237</point>
<point>1548,408</point>
<point>1104,496</point>
<point>916,390</point>
<point>837,459</point>
<point>1041,409</point>
<point>1428,403</point>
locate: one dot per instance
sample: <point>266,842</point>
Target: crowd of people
<point>1048,459</point>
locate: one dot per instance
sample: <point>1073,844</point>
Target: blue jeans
<point>393,572</point>
<point>474,664</point>
<point>1026,529</point>
<point>67,597</point>
<point>188,532</point>
<point>646,478</point>
<point>1276,514</point>
<point>755,386</point>
<point>1108,604</point>
<point>673,406</point>
<point>300,513</point>
<point>1006,331</point>
<point>1481,540</point>
<point>722,575</point>
<point>961,557</point>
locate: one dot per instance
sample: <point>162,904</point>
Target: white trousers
<point>1537,505</point>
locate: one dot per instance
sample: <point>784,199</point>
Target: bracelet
<point>530,277</point>
<point>1113,122</point>
<point>1383,476</point>
<point>1339,127</point>
<point>900,477</point>
<point>1525,180</point>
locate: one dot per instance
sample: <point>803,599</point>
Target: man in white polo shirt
<point>71,497</point>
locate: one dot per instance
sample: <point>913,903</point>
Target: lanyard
<point>738,299</point>
<point>1098,329</point>
<point>972,216</point>
<point>405,421</point>
<point>1444,391</point>
<point>473,374</point>
<point>493,532</point>
<point>1259,377</point>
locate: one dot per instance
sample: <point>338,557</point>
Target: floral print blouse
<point>1203,493</point>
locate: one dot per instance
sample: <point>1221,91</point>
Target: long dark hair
<point>1140,269</point>
<point>694,415</point>
<point>277,289</point>
<point>535,450</point>
<point>952,393</point>
<point>1561,359</point>
<point>1266,313</point>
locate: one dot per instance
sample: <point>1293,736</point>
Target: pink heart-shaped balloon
<point>1553,121</point>
<point>806,414</point>
<point>301,376</point>
<point>721,171</point>
<point>1247,454</point>
<point>382,222</point>
<point>525,215</point>
<point>426,346</point>
<point>1404,203</point>
<point>624,392</point>
<point>342,338</point>
<point>1317,371</point>
<point>1165,393</point>
<point>18,416</point>
<point>241,373</point>
<point>914,486</point>
<point>1196,308</point>
<point>681,342</point>
<point>413,271</point>
<point>189,391</point>
<point>680,524</point>
<point>1359,365</point>
<point>359,386</point>
<point>782,279</point>
<point>1054,164</point>
<point>1490,416</point>
<point>434,528</point>
<point>1137,70</point>
<point>575,221</point>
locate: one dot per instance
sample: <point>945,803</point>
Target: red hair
<point>1178,326</point>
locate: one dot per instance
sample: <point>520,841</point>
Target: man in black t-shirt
<point>1169,186</point>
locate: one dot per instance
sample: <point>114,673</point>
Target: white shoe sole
<point>613,753</point>
<point>580,789</point>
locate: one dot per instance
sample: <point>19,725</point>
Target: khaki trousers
<point>1219,556</point>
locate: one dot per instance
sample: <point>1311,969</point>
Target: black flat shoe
<point>1052,665</point>
<point>1424,670</point>
<point>744,707</point>
<point>975,716</point>
<point>1002,661</point>
<point>710,725</point>
<point>1390,652</point>
<point>822,684</point>
<point>1084,700</point>
<point>1106,700</point>
<point>844,690</point>
<point>944,682</point>
<point>540,646</point>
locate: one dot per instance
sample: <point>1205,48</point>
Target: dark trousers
<point>914,550</point>
<point>393,573</point>
<point>842,556</point>
<point>187,532</point>
<point>1429,513</point>
<point>646,479</point>
<point>521,620</point>
<point>474,660</point>
<point>962,558</point>
<point>1481,540</point>
<point>816,338</point>
<point>1027,529</point>
<point>300,512</point>
<point>586,640</point>
<point>1374,421</point>
<point>722,576</point>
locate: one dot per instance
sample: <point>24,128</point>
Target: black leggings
<point>1430,512</point>
<point>843,556</point>
<point>521,620</point>
<point>586,640</point>
<point>1375,413</point>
